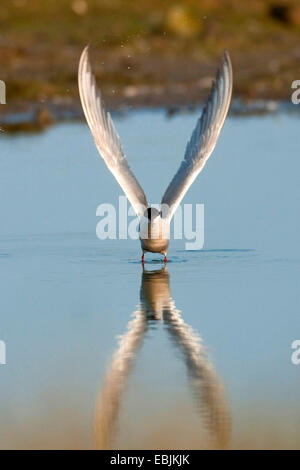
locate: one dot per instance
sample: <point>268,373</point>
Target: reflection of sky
<point>64,296</point>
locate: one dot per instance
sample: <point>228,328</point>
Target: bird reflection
<point>156,303</point>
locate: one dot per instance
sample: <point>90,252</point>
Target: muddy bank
<point>36,117</point>
<point>144,54</point>
<point>144,81</point>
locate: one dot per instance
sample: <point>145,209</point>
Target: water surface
<point>101,353</point>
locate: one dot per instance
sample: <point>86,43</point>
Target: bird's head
<point>151,214</point>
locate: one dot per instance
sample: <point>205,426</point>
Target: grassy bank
<point>147,52</point>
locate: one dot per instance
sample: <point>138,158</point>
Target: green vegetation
<point>147,42</point>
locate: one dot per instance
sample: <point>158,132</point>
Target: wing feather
<point>105,135</point>
<point>203,139</point>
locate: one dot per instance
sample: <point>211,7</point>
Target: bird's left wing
<point>203,140</point>
<point>105,135</point>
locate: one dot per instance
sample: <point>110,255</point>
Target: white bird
<point>154,224</point>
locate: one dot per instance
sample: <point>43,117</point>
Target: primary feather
<point>203,139</point>
<point>105,135</point>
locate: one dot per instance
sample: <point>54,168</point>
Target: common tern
<point>154,224</point>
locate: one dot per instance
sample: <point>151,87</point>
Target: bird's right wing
<point>203,140</point>
<point>105,135</point>
<point>108,402</point>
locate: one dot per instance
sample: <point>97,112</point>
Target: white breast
<point>154,236</point>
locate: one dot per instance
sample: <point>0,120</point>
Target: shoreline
<point>37,116</point>
<point>143,54</point>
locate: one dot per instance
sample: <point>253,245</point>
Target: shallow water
<point>103,354</point>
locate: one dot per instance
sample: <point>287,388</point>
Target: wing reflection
<point>156,303</point>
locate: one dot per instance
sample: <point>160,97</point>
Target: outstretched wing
<point>203,140</point>
<point>105,135</point>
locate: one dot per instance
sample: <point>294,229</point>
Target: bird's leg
<point>143,258</point>
<point>165,259</point>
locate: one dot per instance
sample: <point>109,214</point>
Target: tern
<point>154,224</point>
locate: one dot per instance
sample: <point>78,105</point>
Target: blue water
<point>66,296</point>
